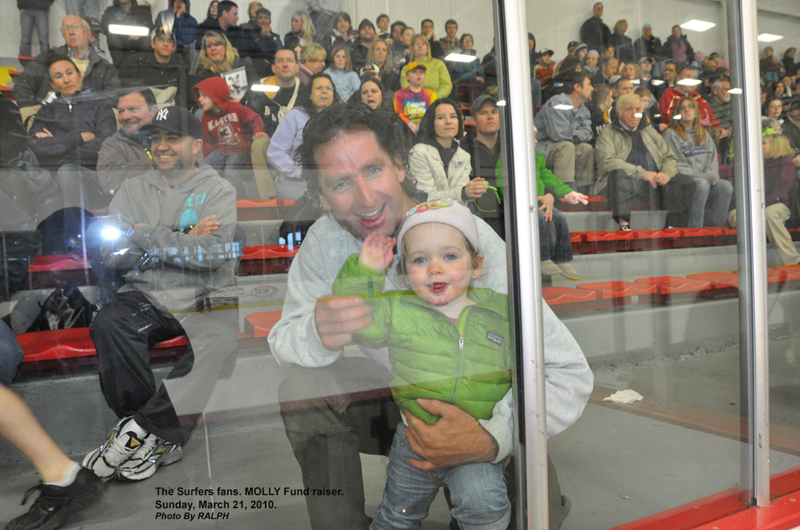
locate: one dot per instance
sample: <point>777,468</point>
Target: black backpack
<point>65,308</point>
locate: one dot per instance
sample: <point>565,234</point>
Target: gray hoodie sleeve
<point>704,163</point>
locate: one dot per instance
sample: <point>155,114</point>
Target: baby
<point>447,341</point>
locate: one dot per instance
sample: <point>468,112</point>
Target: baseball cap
<point>572,45</point>
<point>547,51</point>
<point>370,69</point>
<point>176,120</point>
<point>364,23</point>
<point>479,101</point>
<point>413,65</point>
<point>444,211</point>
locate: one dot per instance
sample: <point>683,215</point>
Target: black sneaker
<point>55,503</point>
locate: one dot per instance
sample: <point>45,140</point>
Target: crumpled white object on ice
<point>625,397</point>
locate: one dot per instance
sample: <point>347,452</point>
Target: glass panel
<point>656,308</point>
<point>777,39</point>
<point>216,369</point>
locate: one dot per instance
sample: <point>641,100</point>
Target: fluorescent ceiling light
<point>689,82</point>
<point>637,115</point>
<point>265,88</point>
<point>735,91</point>
<point>563,107</point>
<point>460,58</point>
<point>676,117</point>
<point>769,37</point>
<point>657,82</point>
<point>697,25</point>
<point>501,103</point>
<point>119,29</point>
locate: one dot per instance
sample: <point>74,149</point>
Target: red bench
<point>263,209</point>
<point>266,259</point>
<point>68,347</point>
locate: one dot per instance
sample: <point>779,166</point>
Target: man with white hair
<point>32,87</point>
<point>635,162</point>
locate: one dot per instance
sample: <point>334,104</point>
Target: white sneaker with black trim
<point>153,452</point>
<point>123,440</point>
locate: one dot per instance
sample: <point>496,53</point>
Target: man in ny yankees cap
<point>172,235</point>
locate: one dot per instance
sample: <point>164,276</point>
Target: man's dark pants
<point>333,413</point>
<point>124,332</point>
<point>677,194</point>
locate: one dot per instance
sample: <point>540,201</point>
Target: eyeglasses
<point>685,108</point>
<point>74,27</point>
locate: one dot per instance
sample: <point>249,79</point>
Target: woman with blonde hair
<point>303,31</point>
<point>218,56</point>
<point>623,45</point>
<point>697,158</point>
<point>252,9</point>
<point>778,179</point>
<point>437,78</point>
<point>380,54</point>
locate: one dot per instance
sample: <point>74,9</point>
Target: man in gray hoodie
<point>174,241</point>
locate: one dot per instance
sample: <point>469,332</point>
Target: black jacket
<point>121,46</point>
<point>142,69</point>
<point>647,48</point>
<point>666,50</point>
<point>34,5</point>
<point>595,34</point>
<point>13,136</point>
<point>489,207</point>
<point>66,121</point>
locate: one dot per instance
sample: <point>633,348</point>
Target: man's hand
<point>338,317</point>
<point>476,188</point>
<point>651,177</point>
<point>662,178</point>
<point>457,438</point>
<point>547,201</point>
<point>87,136</point>
<point>44,134</point>
<point>205,226</point>
<point>575,197</point>
<point>723,133</point>
<point>260,135</point>
<point>376,251</point>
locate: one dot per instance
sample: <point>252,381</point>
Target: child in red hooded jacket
<point>228,130</point>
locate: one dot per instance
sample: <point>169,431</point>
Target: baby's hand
<point>376,252</point>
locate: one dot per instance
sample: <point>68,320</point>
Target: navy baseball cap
<point>176,120</point>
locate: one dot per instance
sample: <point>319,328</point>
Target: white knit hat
<point>445,211</point>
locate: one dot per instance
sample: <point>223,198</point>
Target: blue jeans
<point>83,8</point>
<point>563,243</point>
<point>717,198</point>
<point>477,491</point>
<point>28,18</point>
<point>230,167</point>
<point>11,355</point>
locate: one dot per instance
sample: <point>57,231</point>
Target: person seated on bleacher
<point>439,163</point>
<point>217,57</point>
<point>697,158</point>
<point>67,134</point>
<point>634,161</point>
<point>273,105</point>
<point>779,174</point>
<point>160,69</point>
<point>265,41</point>
<point>362,45</point>
<point>312,62</point>
<point>32,87</point>
<point>666,105</point>
<point>126,13</point>
<point>608,69</point>
<point>318,95</point>
<point>123,155</point>
<point>437,78</point>
<point>599,106</point>
<point>181,24</point>
<point>483,145</point>
<point>564,129</point>
<point>172,238</point>
<point>228,131</point>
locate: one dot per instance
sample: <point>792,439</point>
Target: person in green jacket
<point>555,258</point>
<point>447,341</point>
